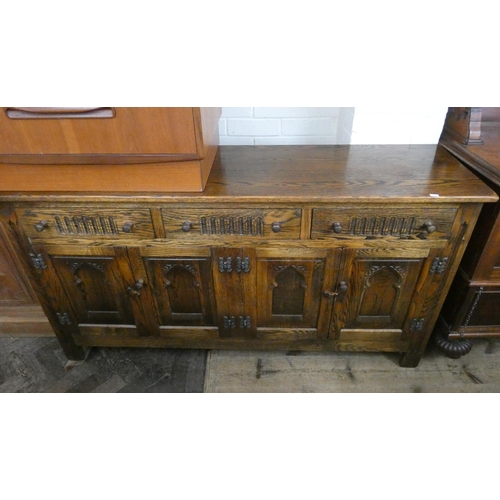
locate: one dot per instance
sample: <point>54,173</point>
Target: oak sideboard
<point>319,248</point>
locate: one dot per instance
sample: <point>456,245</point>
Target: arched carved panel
<point>93,284</point>
<point>96,288</point>
<point>183,288</point>
<point>381,289</point>
<point>380,293</point>
<point>289,290</point>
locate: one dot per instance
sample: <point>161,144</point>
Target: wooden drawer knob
<point>127,227</point>
<point>187,226</point>
<point>337,227</point>
<point>276,227</point>
<point>429,226</point>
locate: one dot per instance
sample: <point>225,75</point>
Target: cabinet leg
<point>71,363</point>
<point>73,352</point>
<point>410,359</point>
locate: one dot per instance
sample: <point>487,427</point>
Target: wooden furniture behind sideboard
<point>472,308</point>
<point>20,312</point>
<point>289,247</point>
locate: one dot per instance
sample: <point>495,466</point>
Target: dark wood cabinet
<point>20,312</point>
<point>472,309</point>
<point>295,247</point>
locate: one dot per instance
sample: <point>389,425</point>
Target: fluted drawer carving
<point>419,223</point>
<point>232,223</point>
<point>77,222</point>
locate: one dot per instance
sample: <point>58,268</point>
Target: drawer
<point>86,135</point>
<point>92,223</point>
<point>257,223</point>
<point>369,222</point>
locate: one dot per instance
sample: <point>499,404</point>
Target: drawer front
<point>92,223</point>
<point>232,223</point>
<point>95,131</point>
<point>370,223</point>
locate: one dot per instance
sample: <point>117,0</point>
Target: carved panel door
<point>105,286</point>
<point>182,290</point>
<point>291,298</point>
<point>96,288</point>
<point>274,293</point>
<point>377,295</point>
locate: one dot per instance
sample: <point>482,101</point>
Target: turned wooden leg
<point>453,348</point>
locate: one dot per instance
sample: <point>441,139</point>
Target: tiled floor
<point>38,365</point>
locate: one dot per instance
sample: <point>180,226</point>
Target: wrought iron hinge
<point>229,322</point>
<point>242,265</point>
<point>63,318</point>
<point>417,325</point>
<point>225,265</point>
<point>38,261</point>
<point>245,322</point>
<point>438,265</point>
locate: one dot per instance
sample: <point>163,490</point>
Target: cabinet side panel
<point>15,289</point>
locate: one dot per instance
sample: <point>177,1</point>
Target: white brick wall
<point>360,125</point>
<point>261,126</point>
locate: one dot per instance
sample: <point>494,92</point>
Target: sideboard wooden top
<point>325,174</point>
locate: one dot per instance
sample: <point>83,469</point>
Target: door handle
<point>339,294</point>
<point>57,113</point>
<point>135,290</point>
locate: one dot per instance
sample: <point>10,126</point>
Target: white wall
<point>398,125</point>
<point>329,125</point>
<point>295,125</point>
